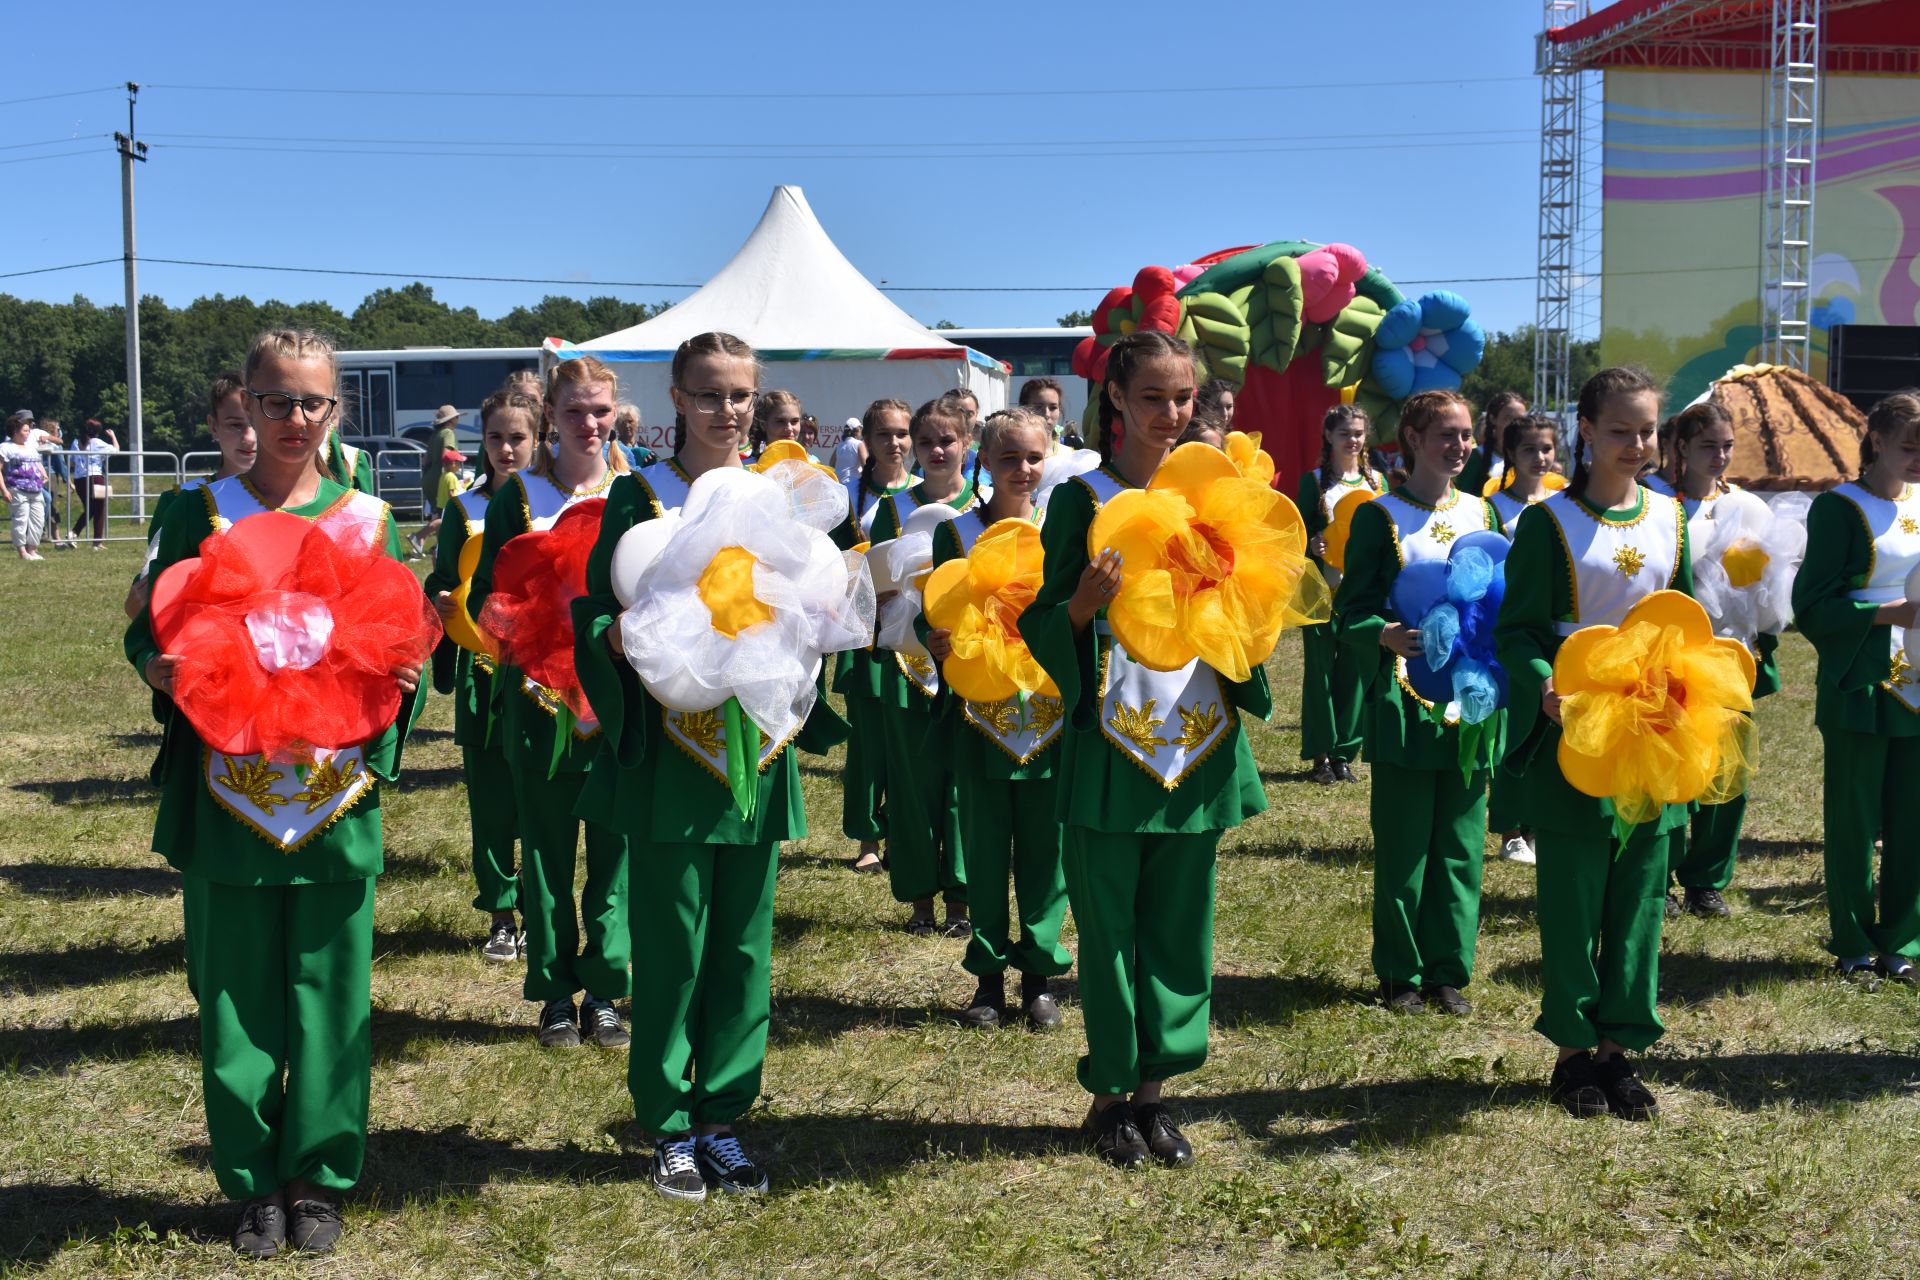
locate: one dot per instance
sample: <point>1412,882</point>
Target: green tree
<point>1075,319</point>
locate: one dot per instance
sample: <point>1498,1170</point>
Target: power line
<point>45,142</point>
<point>1130,91</point>
<point>70,93</point>
<point>53,155</point>
<point>69,266</point>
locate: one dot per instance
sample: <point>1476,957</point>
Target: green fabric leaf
<point>742,777</point>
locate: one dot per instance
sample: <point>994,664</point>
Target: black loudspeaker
<point>1866,362</point>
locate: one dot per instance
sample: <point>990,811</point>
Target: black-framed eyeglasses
<point>714,401</point>
<point>278,404</point>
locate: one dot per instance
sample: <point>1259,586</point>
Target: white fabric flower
<point>741,594</point>
<point>1744,559</point>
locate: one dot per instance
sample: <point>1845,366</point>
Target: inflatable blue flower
<point>1453,603</point>
<point>1427,343</point>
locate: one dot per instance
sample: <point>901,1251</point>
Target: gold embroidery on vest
<point>703,729</point>
<point>1196,723</point>
<point>252,782</point>
<point>1442,532</point>
<point>1909,525</point>
<point>1629,561</point>
<point>325,782</point>
<point>1137,725</point>
<point>1900,673</point>
<point>1044,713</point>
<point>1002,717</point>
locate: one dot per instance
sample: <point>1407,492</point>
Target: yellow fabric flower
<point>786,451</point>
<point>1214,564</point>
<point>1243,447</point>
<point>1340,528</point>
<point>459,625</point>
<point>1656,711</point>
<point>979,600</point>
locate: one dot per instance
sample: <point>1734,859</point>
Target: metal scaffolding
<point>1560,208</point>
<point>1793,131</point>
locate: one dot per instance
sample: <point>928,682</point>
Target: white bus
<point>396,393</point>
<point>1032,353</point>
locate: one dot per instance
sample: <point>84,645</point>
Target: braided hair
<point>1683,427</point>
<point>712,343</point>
<point>1895,417</point>
<point>999,422</point>
<point>869,423</point>
<point>1337,417</point>
<point>1124,359</point>
<point>1420,412</point>
<point>505,400</point>
<point>1620,380</point>
<point>1517,429</point>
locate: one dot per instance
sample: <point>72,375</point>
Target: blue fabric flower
<point>1454,604</point>
<point>1427,343</point>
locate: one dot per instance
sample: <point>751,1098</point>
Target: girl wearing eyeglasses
<point>278,861</point>
<point>549,746</point>
<point>702,871</point>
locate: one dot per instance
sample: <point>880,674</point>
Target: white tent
<point>821,329</point>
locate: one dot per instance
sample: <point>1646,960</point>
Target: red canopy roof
<point>1879,37</point>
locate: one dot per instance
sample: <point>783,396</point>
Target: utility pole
<point>130,151</point>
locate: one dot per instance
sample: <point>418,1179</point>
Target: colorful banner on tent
<point>1682,218</point>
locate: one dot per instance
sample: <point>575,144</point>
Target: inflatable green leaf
<point>1217,331</point>
<point>1348,349</point>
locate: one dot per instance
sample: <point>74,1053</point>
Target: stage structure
<point>1729,124</point>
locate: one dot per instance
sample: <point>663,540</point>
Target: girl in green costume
<point>702,869</point>
<point>1700,443</point>
<point>1582,558</point>
<point>509,425</point>
<point>1143,814</point>
<point>548,749</point>
<point>1429,802</point>
<point>232,431</point>
<point>866,678</point>
<point>1502,408</point>
<point>278,862</point>
<point>1528,447</point>
<point>924,850</point>
<point>1850,599</point>
<point>1331,681</point>
<point>1002,759</point>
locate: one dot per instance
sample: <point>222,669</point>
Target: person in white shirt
<point>90,479</point>
<point>850,454</point>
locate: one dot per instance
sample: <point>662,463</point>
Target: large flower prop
<point>979,600</point>
<point>899,566</point>
<point>1454,603</point>
<point>1744,561</point>
<point>780,451</point>
<point>536,578</point>
<point>1214,565</point>
<point>732,603</point>
<point>1656,711</point>
<point>1340,527</point>
<point>1427,344</point>
<point>460,627</point>
<point>288,638</point>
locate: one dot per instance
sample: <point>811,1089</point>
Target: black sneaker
<point>1036,998</point>
<point>261,1231</point>
<point>1707,903</point>
<point>1448,1000</point>
<point>1673,907</point>
<point>957,926</point>
<point>502,944</point>
<point>1627,1097</point>
<point>1575,1085</point>
<point>315,1227</point>
<point>1324,774</point>
<point>1164,1139</point>
<point>676,1171</point>
<point>989,999</point>
<point>559,1025</point>
<point>1116,1137</point>
<point>600,1024</point>
<point>922,926</point>
<point>727,1167</point>
<point>1345,771</point>
<point>1400,998</point>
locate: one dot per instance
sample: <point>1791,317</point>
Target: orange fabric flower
<point>1214,562</point>
<point>979,600</point>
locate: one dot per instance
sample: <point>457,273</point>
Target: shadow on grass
<point>88,793</point>
<point>57,880</point>
<point>1302,774</point>
<point>815,1019</point>
<point>1277,999</point>
<point>139,738</point>
<point>430,735</point>
<point>1751,848</point>
<point>1382,1113</point>
<point>1794,898</point>
<point>434,779</point>
<point>1347,853</point>
<point>1689,975</point>
<point>1753,1081</point>
<point>39,1219</point>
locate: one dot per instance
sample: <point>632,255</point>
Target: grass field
<point>1333,1138</point>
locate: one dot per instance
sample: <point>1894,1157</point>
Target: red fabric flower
<point>288,638</point>
<point>536,578</point>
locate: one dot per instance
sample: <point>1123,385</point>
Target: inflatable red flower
<point>1151,302</point>
<point>288,638</point>
<point>536,578</point>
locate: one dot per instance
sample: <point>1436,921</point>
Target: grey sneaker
<point>502,944</point>
<point>559,1025</point>
<point>600,1024</point>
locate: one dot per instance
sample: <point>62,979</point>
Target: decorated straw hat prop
<point>1656,711</point>
<point>288,638</point>
<point>460,628</point>
<point>1340,527</point>
<point>979,600</point>
<point>529,614</point>
<point>1744,561</point>
<point>1214,564</point>
<point>733,606</point>
<point>898,565</point>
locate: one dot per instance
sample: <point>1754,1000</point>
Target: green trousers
<point>568,950</point>
<point>1703,852</point>
<point>495,819</point>
<point>1600,908</point>
<point>286,1055</point>
<point>1429,835</point>
<point>191,905</point>
<point>1143,904</point>
<point>1010,830</point>
<point>704,914</point>
<point>1872,790</point>
<point>1503,803</point>
<point>863,787</point>
<point>1331,697</point>
<point>923,811</point>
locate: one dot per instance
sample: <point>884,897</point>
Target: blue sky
<point>1417,144</point>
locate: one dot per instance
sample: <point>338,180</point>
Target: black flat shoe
<point>1345,771</point>
<point>261,1231</point>
<point>988,1003</point>
<point>1164,1139</point>
<point>1324,774</point>
<point>1401,999</point>
<point>1116,1137</point>
<point>1448,1000</point>
<point>1627,1097</point>
<point>957,927</point>
<point>1673,907</point>
<point>1575,1085</point>
<point>922,926</point>
<point>1036,1000</point>
<point>1707,903</point>
<point>315,1227</point>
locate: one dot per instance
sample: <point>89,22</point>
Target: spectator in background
<point>1216,395</point>
<point>90,480</point>
<point>23,482</point>
<point>1206,428</point>
<point>776,416</point>
<point>47,437</point>
<point>1044,397</point>
<point>453,481</point>
<point>850,454</point>
<point>444,440</point>
<point>626,435</point>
